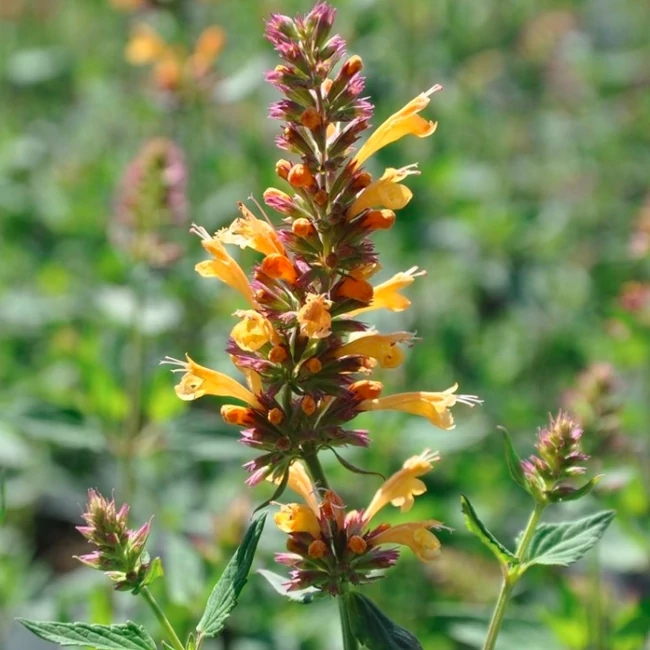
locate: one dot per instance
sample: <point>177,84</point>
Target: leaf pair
<point>558,544</point>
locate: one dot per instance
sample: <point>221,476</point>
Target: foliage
<point>530,193</point>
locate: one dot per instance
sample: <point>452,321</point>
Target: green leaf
<point>154,571</point>
<point>353,468</point>
<point>223,598</point>
<point>476,526</point>
<point>564,543</point>
<point>304,596</point>
<point>513,461</point>
<point>128,636</point>
<point>374,629</point>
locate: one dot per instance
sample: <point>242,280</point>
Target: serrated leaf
<point>304,596</point>
<point>127,636</point>
<point>223,598</point>
<point>374,629</point>
<point>476,526</point>
<point>513,461</point>
<point>565,543</point>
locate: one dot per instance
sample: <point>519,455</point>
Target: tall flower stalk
<point>306,357</point>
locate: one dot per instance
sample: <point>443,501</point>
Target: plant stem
<point>510,578</point>
<point>315,469</point>
<point>499,612</point>
<point>349,640</point>
<point>162,619</point>
<point>529,531</point>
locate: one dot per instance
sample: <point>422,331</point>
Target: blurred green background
<point>531,216</point>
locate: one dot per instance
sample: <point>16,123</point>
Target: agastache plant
<point>305,355</point>
<point>299,343</point>
<point>307,362</point>
<point>550,476</point>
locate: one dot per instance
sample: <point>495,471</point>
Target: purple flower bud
<point>120,551</point>
<point>558,455</point>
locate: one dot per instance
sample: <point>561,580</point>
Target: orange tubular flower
<point>405,122</point>
<point>416,535</point>
<point>314,317</point>
<point>253,331</point>
<point>433,406</point>
<point>382,347</point>
<point>207,49</point>
<point>223,266</point>
<point>387,294</point>
<point>325,519</point>
<point>199,381</point>
<point>279,267</point>
<point>385,192</point>
<point>238,415</point>
<point>355,289</point>
<point>145,46</point>
<point>251,232</point>
<point>402,486</point>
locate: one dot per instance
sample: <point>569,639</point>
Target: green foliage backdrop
<point>529,197</point>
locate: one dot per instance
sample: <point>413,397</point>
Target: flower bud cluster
<point>120,553</point>
<point>559,457</point>
<point>152,198</point>
<point>596,402</point>
<point>329,547</point>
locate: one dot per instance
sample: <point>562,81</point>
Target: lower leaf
<point>374,629</point>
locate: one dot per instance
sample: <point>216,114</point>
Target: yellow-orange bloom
<point>145,46</point>
<point>199,381</point>
<point>387,192</point>
<point>223,266</point>
<point>253,331</point>
<point>433,406</point>
<point>238,415</point>
<point>403,485</point>
<point>415,535</point>
<point>387,294</point>
<point>297,518</point>
<point>382,347</point>
<point>249,231</point>
<point>301,484</point>
<point>399,489</point>
<point>314,317</point>
<point>405,122</point>
<point>279,267</point>
<point>207,48</point>
<point>355,289</point>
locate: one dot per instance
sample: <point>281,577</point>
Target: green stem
<point>349,640</point>
<point>531,526</point>
<point>499,613</point>
<point>162,619</point>
<point>316,469</point>
<point>510,578</point>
